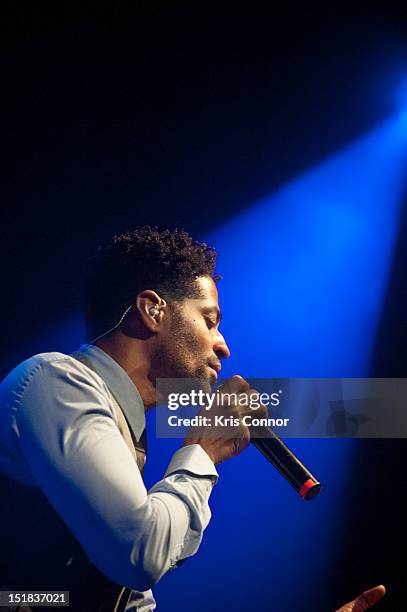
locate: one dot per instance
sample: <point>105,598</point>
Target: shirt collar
<point>121,386</point>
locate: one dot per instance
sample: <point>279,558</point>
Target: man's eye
<point>210,323</point>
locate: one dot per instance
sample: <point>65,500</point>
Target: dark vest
<point>39,553</point>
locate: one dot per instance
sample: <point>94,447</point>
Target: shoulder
<point>43,401</point>
<point>47,369</point>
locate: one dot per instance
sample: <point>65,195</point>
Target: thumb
<point>369,598</point>
<point>365,600</point>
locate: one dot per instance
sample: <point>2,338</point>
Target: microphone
<point>284,460</point>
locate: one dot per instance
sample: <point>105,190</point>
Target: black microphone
<point>285,461</point>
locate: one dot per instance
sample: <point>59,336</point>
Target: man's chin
<point>200,382</point>
<point>206,385</point>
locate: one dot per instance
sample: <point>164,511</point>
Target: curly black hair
<point>167,261</point>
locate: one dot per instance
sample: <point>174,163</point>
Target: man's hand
<point>225,441</point>
<point>365,600</point>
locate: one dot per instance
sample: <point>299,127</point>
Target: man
<point>72,435</point>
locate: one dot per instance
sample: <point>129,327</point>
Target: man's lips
<point>216,367</point>
<point>214,373</point>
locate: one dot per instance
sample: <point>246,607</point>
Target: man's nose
<point>221,348</point>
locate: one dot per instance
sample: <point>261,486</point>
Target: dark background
<point>117,115</point>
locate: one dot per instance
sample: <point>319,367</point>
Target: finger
<point>369,598</point>
<point>236,384</point>
<point>260,409</point>
<point>242,441</point>
<point>248,403</point>
<point>239,383</point>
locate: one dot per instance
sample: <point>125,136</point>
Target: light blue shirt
<point>59,432</point>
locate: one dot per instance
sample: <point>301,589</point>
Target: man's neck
<point>133,358</point>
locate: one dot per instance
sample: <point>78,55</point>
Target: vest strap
<point>137,449</point>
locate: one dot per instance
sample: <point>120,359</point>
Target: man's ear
<point>151,308</point>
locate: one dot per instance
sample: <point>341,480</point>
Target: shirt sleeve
<point>68,435</point>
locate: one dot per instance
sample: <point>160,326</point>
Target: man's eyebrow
<point>215,309</point>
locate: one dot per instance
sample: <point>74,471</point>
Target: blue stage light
<point>401,95</point>
<point>304,280</point>
<point>305,270</point>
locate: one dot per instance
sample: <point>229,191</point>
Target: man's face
<point>192,345</point>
